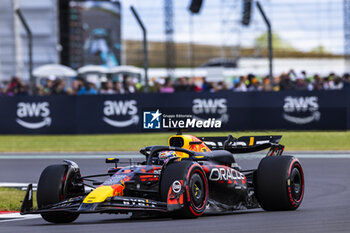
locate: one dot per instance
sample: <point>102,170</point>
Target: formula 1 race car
<point>190,176</point>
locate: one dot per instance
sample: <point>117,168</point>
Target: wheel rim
<point>296,184</point>
<point>197,190</point>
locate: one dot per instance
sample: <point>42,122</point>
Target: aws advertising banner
<point>108,114</point>
<point>38,115</point>
<point>224,111</point>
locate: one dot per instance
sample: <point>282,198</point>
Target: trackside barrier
<point>321,110</point>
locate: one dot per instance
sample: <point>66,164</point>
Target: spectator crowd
<point>80,86</point>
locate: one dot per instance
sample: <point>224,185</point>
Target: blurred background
<point>220,41</point>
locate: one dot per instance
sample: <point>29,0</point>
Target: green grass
<point>10,199</point>
<point>339,140</point>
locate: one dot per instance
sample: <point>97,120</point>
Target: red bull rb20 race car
<point>188,177</point>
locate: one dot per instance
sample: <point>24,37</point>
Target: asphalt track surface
<point>325,208</point>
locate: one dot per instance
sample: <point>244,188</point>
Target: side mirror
<point>113,160</point>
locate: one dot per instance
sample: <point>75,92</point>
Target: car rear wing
<point>245,144</point>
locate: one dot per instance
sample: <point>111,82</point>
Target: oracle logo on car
<point>301,110</point>
<point>28,111</point>
<point>225,174</point>
<point>120,108</point>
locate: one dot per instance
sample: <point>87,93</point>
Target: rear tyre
<point>52,188</point>
<point>195,185</point>
<point>279,183</point>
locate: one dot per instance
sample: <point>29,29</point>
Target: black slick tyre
<point>51,190</point>
<point>195,186</point>
<point>279,183</point>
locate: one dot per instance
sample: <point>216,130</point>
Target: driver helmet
<point>166,155</point>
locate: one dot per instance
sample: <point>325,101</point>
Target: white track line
<point>16,217</point>
<point>22,186</point>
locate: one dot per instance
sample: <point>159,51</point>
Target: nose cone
<point>99,194</point>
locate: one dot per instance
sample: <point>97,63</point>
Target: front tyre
<point>279,183</point>
<point>195,187</point>
<point>52,188</point>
